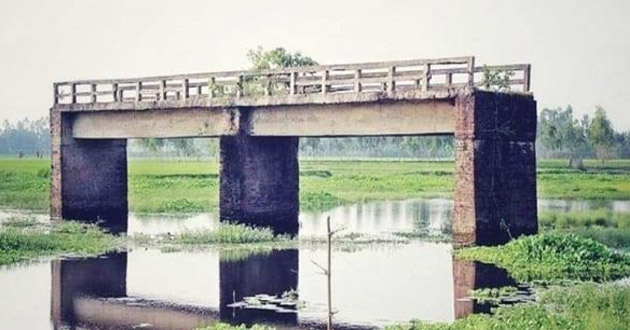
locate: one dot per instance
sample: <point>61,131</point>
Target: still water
<point>149,289</point>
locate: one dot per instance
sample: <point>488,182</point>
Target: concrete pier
<point>259,181</point>
<point>495,168</point>
<point>89,177</point>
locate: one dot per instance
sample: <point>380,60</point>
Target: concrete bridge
<point>259,116</point>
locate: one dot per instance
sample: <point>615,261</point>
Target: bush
<point>554,256</point>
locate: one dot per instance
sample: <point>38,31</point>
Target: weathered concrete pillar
<point>495,167</point>
<point>88,178</point>
<point>259,181</point>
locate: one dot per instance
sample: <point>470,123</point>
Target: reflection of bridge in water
<point>259,116</point>
<point>97,292</point>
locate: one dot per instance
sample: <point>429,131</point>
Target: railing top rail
<point>421,75</point>
<point>262,72</point>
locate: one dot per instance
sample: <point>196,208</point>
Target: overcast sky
<point>579,50</point>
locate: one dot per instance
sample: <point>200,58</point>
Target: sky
<point>579,50</point>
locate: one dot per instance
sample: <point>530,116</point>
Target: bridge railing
<point>425,75</point>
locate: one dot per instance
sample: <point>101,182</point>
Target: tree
<point>548,130</point>
<point>496,80</point>
<point>601,134</point>
<point>277,58</point>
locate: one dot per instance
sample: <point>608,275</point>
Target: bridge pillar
<point>88,177</point>
<point>259,181</point>
<point>495,167</point>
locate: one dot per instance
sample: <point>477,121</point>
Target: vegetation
<point>225,326</point>
<point>560,135</point>
<point>25,137</point>
<point>20,241</point>
<point>582,307</point>
<point>228,233</point>
<point>553,257</point>
<point>493,294</point>
<point>578,219</point>
<point>192,186</point>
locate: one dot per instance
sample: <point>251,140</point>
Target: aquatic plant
<point>582,307</point>
<point>230,233</point>
<point>493,294</point>
<point>612,237</point>
<point>553,256</point>
<point>60,238</point>
<point>225,326</point>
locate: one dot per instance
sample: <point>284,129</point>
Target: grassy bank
<point>191,186</point>
<point>24,240</point>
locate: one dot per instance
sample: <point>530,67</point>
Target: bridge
<point>259,116</point>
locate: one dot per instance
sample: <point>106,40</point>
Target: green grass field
<point>190,186</point>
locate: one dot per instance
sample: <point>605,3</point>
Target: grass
<point>602,225</point>
<point>228,233</point>
<point>192,186</point>
<point>582,307</point>
<point>225,326</point>
<point>552,257</point>
<point>21,241</point>
<point>598,217</point>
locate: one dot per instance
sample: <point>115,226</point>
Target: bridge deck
<point>326,84</point>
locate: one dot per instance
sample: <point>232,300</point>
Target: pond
<point>373,286</point>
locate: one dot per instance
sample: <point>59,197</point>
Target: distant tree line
<point>561,135</point>
<point>25,137</point>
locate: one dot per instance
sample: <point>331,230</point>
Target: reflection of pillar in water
<point>101,277</point>
<point>266,273</point>
<point>471,275</point>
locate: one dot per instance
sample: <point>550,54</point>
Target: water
<point>372,286</point>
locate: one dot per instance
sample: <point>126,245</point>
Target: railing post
<point>185,92</point>
<point>527,77</point>
<point>93,86</point>
<point>292,80</point>
<point>357,80</point>
<point>471,71</point>
<point>391,86</point>
<point>163,92</point>
<point>115,92</point>
<point>239,86</point>
<point>267,85</point>
<point>55,93</point>
<point>139,91</point>
<point>73,93</point>
<point>449,79</point>
<point>324,81</point>
<point>211,87</point>
<point>426,77</point>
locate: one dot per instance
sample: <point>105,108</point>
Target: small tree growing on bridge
<point>276,58</point>
<point>496,80</point>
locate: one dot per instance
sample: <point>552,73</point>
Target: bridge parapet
<point>408,79</point>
